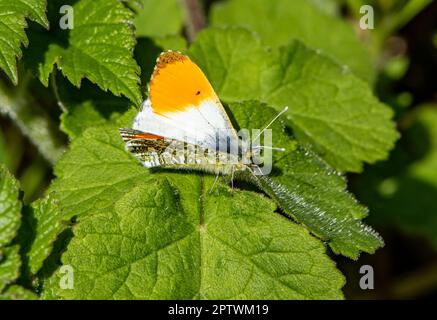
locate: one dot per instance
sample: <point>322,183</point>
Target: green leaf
<point>10,221</point>
<point>321,201</point>
<point>10,215</point>
<point>9,266</point>
<point>330,110</point>
<point>12,24</point>
<point>297,19</point>
<point>118,203</point>
<point>231,247</point>
<point>47,221</point>
<point>158,18</point>
<point>314,195</point>
<point>235,62</point>
<point>99,47</point>
<point>330,7</point>
<point>93,186</point>
<point>15,292</point>
<point>402,191</point>
<point>176,43</point>
<point>10,207</point>
<point>87,107</point>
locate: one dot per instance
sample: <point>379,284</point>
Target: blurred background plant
<point>398,58</point>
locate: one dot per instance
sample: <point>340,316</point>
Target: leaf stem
<point>194,18</point>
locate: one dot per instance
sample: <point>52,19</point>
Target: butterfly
<point>183,124</point>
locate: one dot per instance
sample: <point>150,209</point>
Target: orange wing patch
<point>146,136</point>
<point>130,134</point>
<point>178,83</point>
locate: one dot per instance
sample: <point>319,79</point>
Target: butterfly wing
<point>145,147</point>
<point>183,105</point>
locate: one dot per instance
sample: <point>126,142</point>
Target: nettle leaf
<point>10,216</point>
<point>94,186</point>
<point>131,220</point>
<point>9,266</point>
<point>149,19</point>
<point>253,244</point>
<point>99,47</point>
<point>46,219</point>
<point>299,19</point>
<point>33,239</point>
<point>87,106</point>
<point>235,62</point>
<point>15,292</point>
<point>13,15</point>
<point>330,110</point>
<point>148,247</point>
<point>314,194</point>
<point>10,206</point>
<point>175,42</point>
<point>411,173</point>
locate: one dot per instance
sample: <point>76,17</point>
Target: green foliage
<point>45,218</point>
<point>133,233</point>
<point>96,176</point>
<point>15,292</point>
<point>99,47</point>
<point>410,174</point>
<point>136,250</point>
<point>87,106</point>
<point>314,194</point>
<point>150,13</point>
<point>10,207</point>
<point>10,214</point>
<point>277,22</point>
<point>119,206</point>
<point>29,115</point>
<point>24,243</point>
<point>330,110</point>
<point>12,24</point>
<point>9,266</point>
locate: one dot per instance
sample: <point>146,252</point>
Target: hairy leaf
<point>87,106</point>
<point>307,189</point>
<point>148,247</point>
<point>99,47</point>
<point>10,215</point>
<point>158,18</point>
<point>15,292</point>
<point>98,179</point>
<point>10,207</point>
<point>47,221</point>
<point>279,21</point>
<point>118,203</point>
<point>331,111</point>
<point>13,15</point>
<point>9,266</point>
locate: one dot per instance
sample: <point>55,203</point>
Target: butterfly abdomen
<point>155,151</point>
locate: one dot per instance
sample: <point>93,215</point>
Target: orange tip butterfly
<point>183,124</point>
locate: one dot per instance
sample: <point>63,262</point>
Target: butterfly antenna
<point>271,148</point>
<point>271,122</point>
